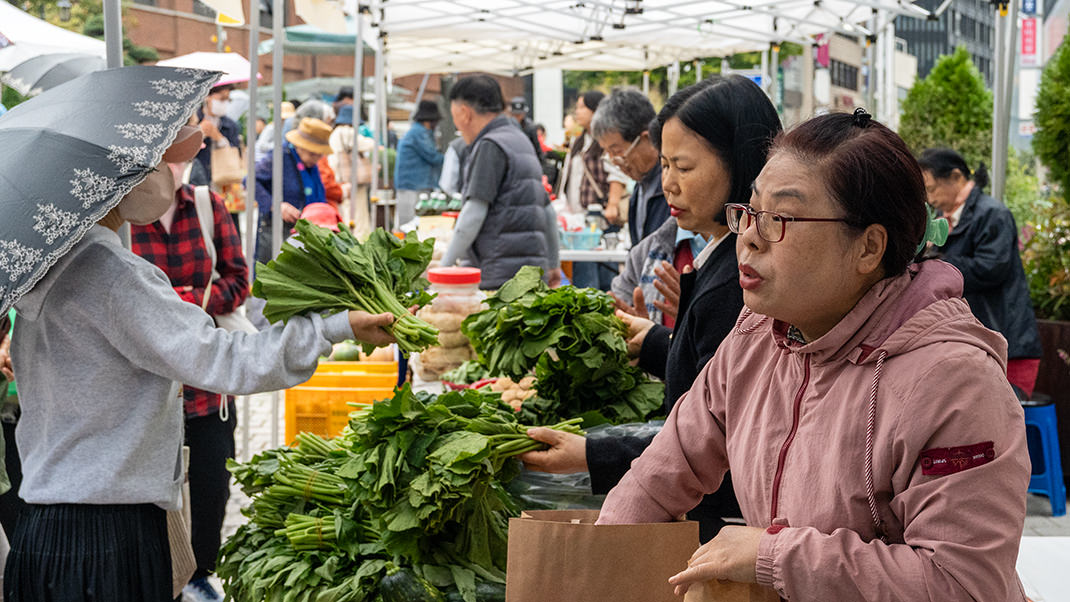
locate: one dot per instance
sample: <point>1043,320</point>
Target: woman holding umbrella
<point>102,338</point>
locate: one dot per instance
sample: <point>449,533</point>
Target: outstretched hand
<point>567,453</point>
<point>638,306</point>
<point>372,328</point>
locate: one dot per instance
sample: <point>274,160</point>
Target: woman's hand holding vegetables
<point>637,331</point>
<point>567,453</point>
<point>372,328</point>
<point>668,284</point>
<point>731,556</point>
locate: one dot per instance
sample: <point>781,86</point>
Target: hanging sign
<point>1029,7</point>
<point>1028,55</point>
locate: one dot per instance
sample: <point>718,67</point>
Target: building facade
<point>969,23</point>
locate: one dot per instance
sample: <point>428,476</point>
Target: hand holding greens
<point>333,271</point>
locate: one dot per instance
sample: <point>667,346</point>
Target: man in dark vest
<point>506,222</point>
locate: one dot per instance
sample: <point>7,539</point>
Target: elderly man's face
<point>634,157</point>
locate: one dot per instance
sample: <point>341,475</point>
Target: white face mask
<point>150,199</point>
<point>218,107</point>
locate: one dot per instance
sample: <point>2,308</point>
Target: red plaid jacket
<point>182,256</point>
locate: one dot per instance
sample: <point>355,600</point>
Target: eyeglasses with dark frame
<point>771,225</point>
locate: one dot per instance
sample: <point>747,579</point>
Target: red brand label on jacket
<point>942,461</point>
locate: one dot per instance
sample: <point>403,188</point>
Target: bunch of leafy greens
<point>416,481</point>
<point>576,346</point>
<point>333,271</point>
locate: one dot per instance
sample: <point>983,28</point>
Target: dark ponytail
<point>941,162</point>
<point>980,177</point>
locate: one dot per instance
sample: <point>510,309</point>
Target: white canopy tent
<point>30,37</point>
<point>519,36</point>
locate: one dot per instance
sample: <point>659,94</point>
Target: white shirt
<point>706,252</point>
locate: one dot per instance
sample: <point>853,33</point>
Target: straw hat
<point>311,135</point>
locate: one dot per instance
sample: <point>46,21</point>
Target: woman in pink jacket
<point>876,447</point>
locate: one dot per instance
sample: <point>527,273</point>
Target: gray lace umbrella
<point>33,76</point>
<point>73,152</point>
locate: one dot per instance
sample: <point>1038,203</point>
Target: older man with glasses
<point>620,127</point>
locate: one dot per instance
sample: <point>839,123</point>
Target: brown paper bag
<point>728,591</point>
<point>227,166</point>
<point>561,556</point>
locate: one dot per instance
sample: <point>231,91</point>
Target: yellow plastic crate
<point>325,411</point>
<point>366,366</point>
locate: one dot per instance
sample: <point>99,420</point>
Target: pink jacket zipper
<point>787,442</point>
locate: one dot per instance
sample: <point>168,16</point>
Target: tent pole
<point>1011,54</point>
<point>113,48</point>
<point>251,210</point>
<point>419,95</point>
<point>358,102</point>
<point>997,98</point>
<point>774,77</point>
<point>807,82</point>
<point>113,33</point>
<point>765,73</point>
<point>277,34</point>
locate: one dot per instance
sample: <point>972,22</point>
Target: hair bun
<point>861,117</point>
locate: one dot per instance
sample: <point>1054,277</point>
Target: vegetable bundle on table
<point>416,482</point>
<point>575,344</point>
<point>333,271</point>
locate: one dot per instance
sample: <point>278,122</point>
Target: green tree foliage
<point>87,18</point>
<point>583,81</point>
<point>950,108</point>
<point>1051,142</point>
<point>1023,195</point>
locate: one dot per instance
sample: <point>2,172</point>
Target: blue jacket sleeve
<point>425,148</point>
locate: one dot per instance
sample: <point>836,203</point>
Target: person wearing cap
<point>174,244</point>
<point>301,181</point>
<point>102,342</point>
<point>519,109</point>
<point>418,161</point>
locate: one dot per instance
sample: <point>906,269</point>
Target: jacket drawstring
<point>870,427</point>
<point>743,316</point>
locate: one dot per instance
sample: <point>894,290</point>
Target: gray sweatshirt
<point>96,347</point>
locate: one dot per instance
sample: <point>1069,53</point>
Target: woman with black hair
<point>713,144</point>
<point>983,245</point>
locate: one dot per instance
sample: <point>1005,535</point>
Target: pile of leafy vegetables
<point>576,346</point>
<point>416,481</point>
<point>333,271</point>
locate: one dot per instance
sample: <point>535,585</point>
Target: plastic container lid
<point>454,275</point>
